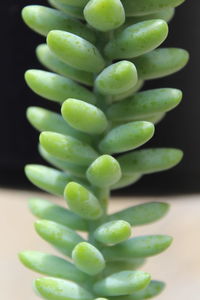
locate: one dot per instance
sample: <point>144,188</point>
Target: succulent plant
<point>99,54</point>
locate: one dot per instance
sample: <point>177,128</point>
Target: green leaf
<point>142,214</point>
<point>144,7</point>
<point>137,39</point>
<point>152,290</point>
<point>46,120</point>
<point>84,117</point>
<point>78,3</point>
<point>113,232</point>
<point>104,171</point>
<point>104,15</point>
<point>144,104</point>
<point>71,168</point>
<point>161,62</point>
<point>117,266</point>
<point>141,246</point>
<point>61,237</point>
<point>73,11</point>
<point>50,61</point>
<point>155,119</point>
<point>43,19</point>
<point>130,92</point>
<point>122,283</point>
<point>116,79</point>
<point>88,259</point>
<point>47,179</point>
<point>165,14</point>
<point>55,87</point>
<point>149,160</point>
<point>126,180</point>
<point>67,148</point>
<point>59,289</point>
<point>85,56</point>
<point>82,202</point>
<point>126,137</point>
<point>47,210</point>
<point>51,265</point>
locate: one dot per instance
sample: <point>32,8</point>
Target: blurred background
<point>179,129</point>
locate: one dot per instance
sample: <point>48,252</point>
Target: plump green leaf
<point>122,283</point>
<point>51,265</point>
<point>152,290</point>
<point>50,61</point>
<point>104,15</point>
<point>61,237</point>
<point>45,120</point>
<point>116,79</point>
<point>43,19</point>
<point>71,168</point>
<point>144,104</point>
<point>59,289</point>
<point>73,11</point>
<point>104,171</point>
<point>47,179</point>
<point>126,137</point>
<point>149,160</point>
<point>113,232</point>
<point>126,180</point>
<point>82,202</point>
<point>123,265</point>
<point>137,39</point>
<point>88,258</point>
<point>67,148</point>
<point>161,62</point>
<point>155,119</point>
<point>141,246</point>
<point>165,14</point>
<point>75,51</point>
<point>130,92</point>
<point>142,214</point>
<point>144,7</point>
<point>55,87</point>
<point>84,117</point>
<point>47,210</point>
<point>78,3</point>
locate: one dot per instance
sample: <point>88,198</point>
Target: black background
<point>179,129</point>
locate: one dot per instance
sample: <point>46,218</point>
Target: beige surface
<point>179,266</point>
